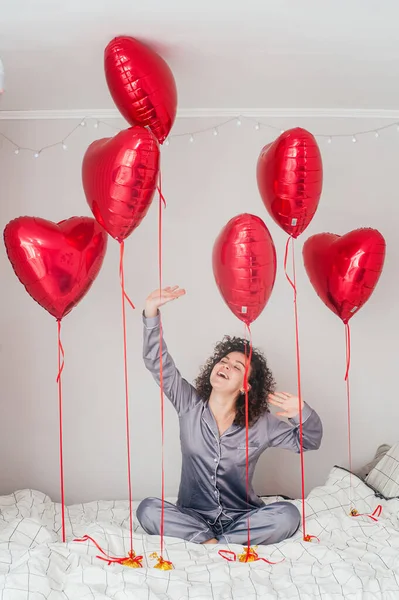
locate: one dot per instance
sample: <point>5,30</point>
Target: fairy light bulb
<point>64,146</point>
<point>354,139</point>
<point>16,151</point>
<point>215,132</point>
<point>238,122</point>
<point>191,138</point>
<point>329,141</point>
<point>257,126</point>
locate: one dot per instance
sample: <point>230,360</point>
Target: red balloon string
<point>122,275</point>
<point>159,188</point>
<point>348,396</point>
<point>61,362</point>
<point>231,556</point>
<point>228,555</point>
<point>249,554</point>
<point>348,350</point>
<point>162,204</point>
<point>292,282</point>
<point>374,516</point>
<point>131,560</point>
<point>129,472</point>
<point>246,388</point>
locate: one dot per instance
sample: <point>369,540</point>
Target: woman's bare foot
<point>212,541</point>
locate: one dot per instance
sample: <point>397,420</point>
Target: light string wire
<point>190,135</point>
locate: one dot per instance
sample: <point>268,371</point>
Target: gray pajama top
<point>213,476</point>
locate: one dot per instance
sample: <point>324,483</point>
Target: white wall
<point>205,184</point>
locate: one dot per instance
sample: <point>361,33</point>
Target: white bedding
<point>356,557</point>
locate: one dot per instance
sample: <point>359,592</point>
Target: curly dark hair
<point>261,379</point>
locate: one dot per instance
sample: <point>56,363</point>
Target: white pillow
<point>384,477</point>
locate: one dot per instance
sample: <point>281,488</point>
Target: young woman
<point>213,505</point>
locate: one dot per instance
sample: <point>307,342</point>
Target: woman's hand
<point>288,404</point>
<point>160,297</point>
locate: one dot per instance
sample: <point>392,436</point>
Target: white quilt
<point>356,557</point>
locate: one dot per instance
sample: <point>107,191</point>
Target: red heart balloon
<point>120,177</point>
<point>344,270</point>
<point>141,85</point>
<point>56,262</point>
<point>290,179</point>
<point>244,266</point>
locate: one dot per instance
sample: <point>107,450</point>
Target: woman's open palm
<point>158,298</point>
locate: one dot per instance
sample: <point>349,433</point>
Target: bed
<point>356,557</point>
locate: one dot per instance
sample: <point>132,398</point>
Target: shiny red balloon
<point>56,262</point>
<point>244,266</point>
<point>344,270</point>
<point>290,179</point>
<point>141,85</point>
<point>120,177</point>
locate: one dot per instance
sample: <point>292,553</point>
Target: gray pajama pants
<point>269,524</point>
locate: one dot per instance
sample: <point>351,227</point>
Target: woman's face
<point>228,374</point>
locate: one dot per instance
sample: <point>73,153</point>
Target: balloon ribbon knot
<point>374,515</point>
<point>131,560</point>
<point>162,564</point>
<point>249,555</point>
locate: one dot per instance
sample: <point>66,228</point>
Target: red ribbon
<point>61,353</point>
<point>161,385</point>
<point>61,362</point>
<point>374,515</point>
<point>247,366</point>
<point>226,555</point>
<point>309,538</point>
<point>161,196</point>
<point>298,361</point>
<point>231,556</point>
<point>122,274</point>
<point>129,468</point>
<point>348,400</point>
<point>130,560</point>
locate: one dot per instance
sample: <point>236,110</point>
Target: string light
<point>215,129</point>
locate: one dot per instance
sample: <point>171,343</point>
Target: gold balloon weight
<point>162,564</point>
<point>132,561</point>
<point>249,554</point>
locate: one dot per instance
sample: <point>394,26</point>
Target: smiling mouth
<point>222,374</point>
